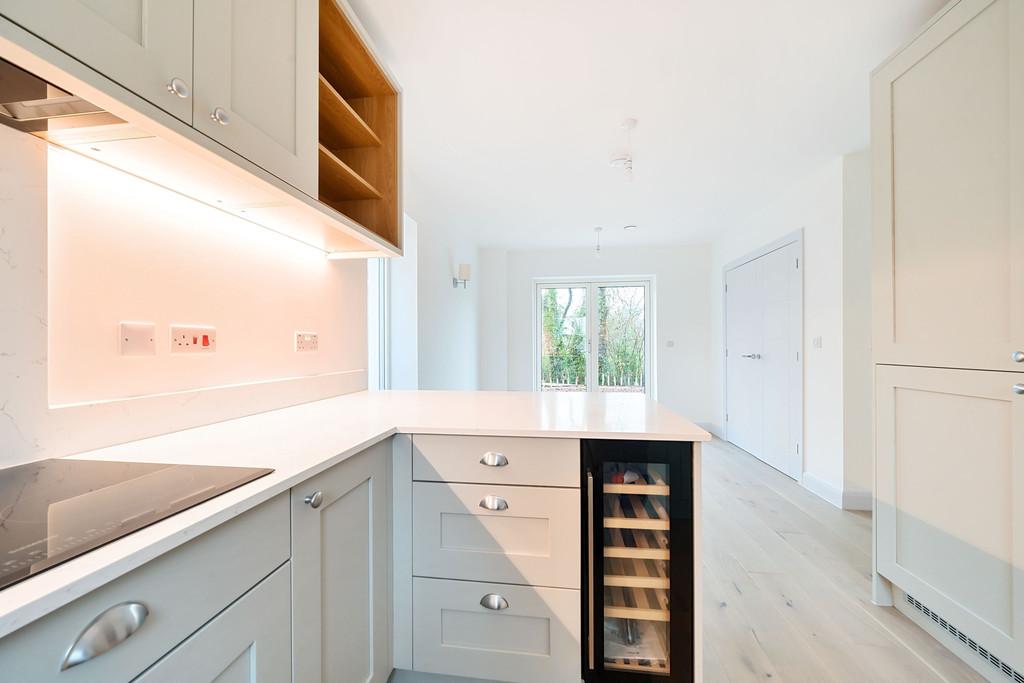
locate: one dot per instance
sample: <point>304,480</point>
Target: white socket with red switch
<point>193,339</point>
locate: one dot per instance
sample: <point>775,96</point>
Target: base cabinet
<point>246,643</point>
<point>950,498</point>
<point>340,572</point>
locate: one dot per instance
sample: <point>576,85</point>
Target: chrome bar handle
<point>590,568</point>
<point>105,632</point>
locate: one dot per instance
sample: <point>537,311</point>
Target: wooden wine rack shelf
<point>636,574</point>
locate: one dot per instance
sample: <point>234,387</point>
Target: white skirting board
<point>857,499</point>
<point>822,489</point>
<point>844,499</point>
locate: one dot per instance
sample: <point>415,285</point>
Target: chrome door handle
<point>106,632</point>
<point>494,459</point>
<point>493,601</point>
<point>1018,389</point>
<point>220,116</point>
<point>1017,356</point>
<point>494,503</point>
<point>179,87</point>
<point>752,356</point>
<point>314,500</point>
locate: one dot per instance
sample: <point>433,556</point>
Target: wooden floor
<point>787,587</point>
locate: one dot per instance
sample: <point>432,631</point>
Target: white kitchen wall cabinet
<point>249,642</point>
<point>948,216</point>
<point>950,498</point>
<point>948,146</point>
<point>256,83</point>
<point>144,45</point>
<point>340,571</point>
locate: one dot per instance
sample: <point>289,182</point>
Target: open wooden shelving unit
<point>359,129</point>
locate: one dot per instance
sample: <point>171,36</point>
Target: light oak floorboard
<point>787,580</point>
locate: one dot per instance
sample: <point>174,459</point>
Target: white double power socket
<point>306,342</point>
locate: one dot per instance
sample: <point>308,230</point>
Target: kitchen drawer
<point>249,641</point>
<point>535,639</point>
<point>527,461</point>
<point>182,590</point>
<point>534,540</point>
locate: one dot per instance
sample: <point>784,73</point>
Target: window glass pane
<point>621,359</point>
<point>563,354</point>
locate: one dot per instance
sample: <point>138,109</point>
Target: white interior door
<point>745,377</point>
<point>764,376</point>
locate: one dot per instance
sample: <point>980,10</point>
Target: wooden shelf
<point>344,59</point>
<point>340,126</point>
<point>637,489</point>
<point>339,183</point>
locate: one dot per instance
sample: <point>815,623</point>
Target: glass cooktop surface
<point>54,510</point>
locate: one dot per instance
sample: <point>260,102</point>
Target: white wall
<point>815,205</point>
<point>404,345</point>
<point>831,206</point>
<point>447,316</point>
<point>681,312</point>
<point>118,259</point>
<point>858,369</point>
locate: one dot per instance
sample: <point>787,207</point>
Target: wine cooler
<point>638,572</point>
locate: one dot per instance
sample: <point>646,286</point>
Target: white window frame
<point>591,284</point>
<point>378,328</point>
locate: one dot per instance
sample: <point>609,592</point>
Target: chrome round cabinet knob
<point>1018,389</point>
<point>220,116</point>
<point>179,87</point>
<point>315,499</point>
<point>1017,356</point>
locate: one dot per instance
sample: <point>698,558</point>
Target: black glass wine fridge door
<point>638,561</point>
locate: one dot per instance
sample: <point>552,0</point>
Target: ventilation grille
<point>1010,673</point>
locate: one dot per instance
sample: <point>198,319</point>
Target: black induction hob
<point>54,510</point>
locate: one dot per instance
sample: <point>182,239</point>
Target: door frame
<point>795,237</point>
<point>591,283</point>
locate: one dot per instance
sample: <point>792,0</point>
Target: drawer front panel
<point>536,637</point>
<point>532,538</point>
<point>249,641</point>
<point>181,590</point>
<point>514,460</point>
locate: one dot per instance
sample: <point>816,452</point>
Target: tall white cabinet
<point>948,192</point>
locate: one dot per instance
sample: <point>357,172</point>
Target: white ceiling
<point>513,108</point>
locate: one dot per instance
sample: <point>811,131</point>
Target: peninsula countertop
<point>301,441</point>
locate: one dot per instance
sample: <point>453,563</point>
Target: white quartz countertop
<point>302,441</point>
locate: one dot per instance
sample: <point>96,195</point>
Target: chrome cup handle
<point>105,632</point>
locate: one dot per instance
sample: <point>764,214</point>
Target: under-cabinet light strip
<point>332,255</point>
